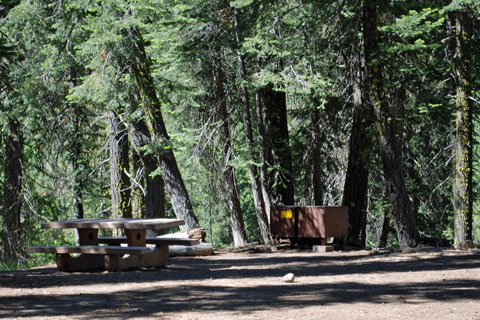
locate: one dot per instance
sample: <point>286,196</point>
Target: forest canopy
<point>214,111</point>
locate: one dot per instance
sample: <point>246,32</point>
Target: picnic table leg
<point>81,262</point>
<point>158,258</point>
<point>136,237</point>
<point>87,236</point>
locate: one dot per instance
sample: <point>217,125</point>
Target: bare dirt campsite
<point>427,284</point>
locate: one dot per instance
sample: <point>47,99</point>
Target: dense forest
<point>214,111</point>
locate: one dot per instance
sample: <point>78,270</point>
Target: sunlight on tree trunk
<point>119,166</point>
<point>462,186</point>
<point>155,186</point>
<point>152,108</point>
<point>228,171</point>
<point>260,209</point>
<point>397,194</point>
<point>12,194</point>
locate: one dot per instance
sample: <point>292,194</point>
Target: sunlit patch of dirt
<point>247,284</point>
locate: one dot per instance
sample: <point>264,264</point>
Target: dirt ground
<point>429,284</point>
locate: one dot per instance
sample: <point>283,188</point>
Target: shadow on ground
<point>198,288</point>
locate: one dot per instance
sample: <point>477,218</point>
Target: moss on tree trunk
<point>402,210</point>
<point>462,185</point>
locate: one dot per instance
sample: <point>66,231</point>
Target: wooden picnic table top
<point>115,223</point>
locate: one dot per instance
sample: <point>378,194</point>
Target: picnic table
<point>113,253</point>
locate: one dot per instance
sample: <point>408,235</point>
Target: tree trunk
<point>402,210</point>
<point>77,170</point>
<point>138,191</point>
<point>267,200</point>
<point>238,226</point>
<point>356,180</point>
<point>76,155</point>
<point>277,151</point>
<point>155,186</point>
<point>158,132</point>
<point>12,194</point>
<point>385,231</point>
<point>317,172</point>
<point>262,218</point>
<point>462,185</point>
<point>119,165</point>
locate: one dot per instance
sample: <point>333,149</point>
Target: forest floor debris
<point>234,284</point>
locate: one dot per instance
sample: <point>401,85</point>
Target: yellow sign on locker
<point>287,214</point>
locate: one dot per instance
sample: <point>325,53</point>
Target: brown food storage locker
<point>313,222</point>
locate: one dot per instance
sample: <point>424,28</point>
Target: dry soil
<point>429,284</point>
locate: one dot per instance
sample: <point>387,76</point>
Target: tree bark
<point>119,165</point>
<point>402,210</point>
<point>75,159</point>
<point>356,180</point>
<point>267,200</point>
<point>138,191</point>
<point>155,186</point>
<point>260,211</point>
<point>385,231</point>
<point>76,153</point>
<point>158,132</point>
<point>317,172</point>
<point>12,193</point>
<point>462,185</point>
<point>238,226</point>
<point>278,155</point>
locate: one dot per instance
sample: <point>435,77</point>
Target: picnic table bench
<point>119,253</point>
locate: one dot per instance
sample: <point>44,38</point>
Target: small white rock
<point>289,277</point>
